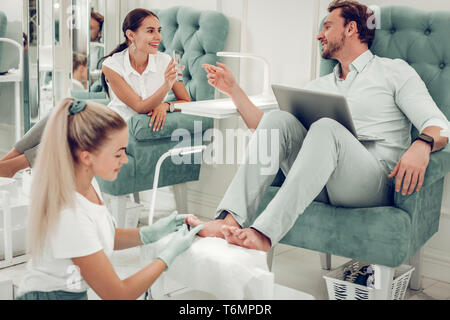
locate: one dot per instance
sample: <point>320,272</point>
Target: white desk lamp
<point>172,152</point>
<point>266,82</point>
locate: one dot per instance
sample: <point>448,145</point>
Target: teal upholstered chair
<point>388,236</point>
<point>198,36</point>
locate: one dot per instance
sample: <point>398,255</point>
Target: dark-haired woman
<point>137,78</point>
<point>137,75</point>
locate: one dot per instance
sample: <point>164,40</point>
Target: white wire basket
<point>339,289</point>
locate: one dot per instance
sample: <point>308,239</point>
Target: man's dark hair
<point>360,14</point>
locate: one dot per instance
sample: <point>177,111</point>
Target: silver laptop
<point>309,106</point>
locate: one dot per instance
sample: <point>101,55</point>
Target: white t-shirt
<point>81,232</point>
<point>77,85</point>
<point>145,84</point>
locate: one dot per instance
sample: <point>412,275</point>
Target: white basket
<point>338,289</point>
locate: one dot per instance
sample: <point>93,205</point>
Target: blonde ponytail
<point>53,185</point>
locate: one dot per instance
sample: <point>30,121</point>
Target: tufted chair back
<point>198,36</point>
<point>422,40</point>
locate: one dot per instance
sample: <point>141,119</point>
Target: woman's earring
<point>133,46</point>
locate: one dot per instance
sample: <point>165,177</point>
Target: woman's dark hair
<point>132,22</point>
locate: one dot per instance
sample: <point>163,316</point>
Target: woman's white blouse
<point>145,84</point>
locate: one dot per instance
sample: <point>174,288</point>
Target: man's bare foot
<point>211,228</point>
<point>248,238</point>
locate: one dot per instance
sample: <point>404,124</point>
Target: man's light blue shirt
<point>384,97</point>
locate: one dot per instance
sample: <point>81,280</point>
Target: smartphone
<point>177,60</point>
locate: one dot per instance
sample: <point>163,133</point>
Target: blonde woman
<point>71,234</point>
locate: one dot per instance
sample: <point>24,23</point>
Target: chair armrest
<point>439,165</point>
<point>85,95</point>
<point>187,124</point>
<point>424,207</point>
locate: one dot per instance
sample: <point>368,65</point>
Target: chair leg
<point>137,199</point>
<point>383,282</point>
<point>119,210</point>
<point>180,193</point>
<point>416,277</point>
<point>325,261</point>
<point>270,258</point>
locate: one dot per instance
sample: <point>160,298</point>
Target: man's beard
<point>333,48</point>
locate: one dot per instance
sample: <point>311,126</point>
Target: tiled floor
<point>293,267</point>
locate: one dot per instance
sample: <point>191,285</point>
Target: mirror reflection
<point>80,47</point>
<point>46,33</point>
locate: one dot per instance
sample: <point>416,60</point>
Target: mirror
<point>88,45</point>
<point>31,78</point>
<point>80,48</point>
<point>58,36</point>
<point>10,95</point>
<point>46,35</point>
<point>38,28</point>
<point>97,42</point>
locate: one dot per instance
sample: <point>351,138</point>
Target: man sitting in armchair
<point>327,163</point>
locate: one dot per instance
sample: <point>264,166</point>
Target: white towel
<point>212,265</point>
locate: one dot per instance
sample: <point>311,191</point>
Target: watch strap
<point>426,138</point>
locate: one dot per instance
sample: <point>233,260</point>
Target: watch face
<point>426,138</point>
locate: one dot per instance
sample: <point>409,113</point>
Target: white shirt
<point>145,84</point>
<point>384,97</point>
<point>77,85</point>
<point>80,232</point>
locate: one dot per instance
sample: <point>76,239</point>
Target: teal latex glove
<point>161,228</point>
<point>179,243</point>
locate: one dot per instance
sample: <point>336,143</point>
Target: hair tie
<point>77,106</point>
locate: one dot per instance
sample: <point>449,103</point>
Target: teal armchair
<point>388,236</point>
<point>198,36</point>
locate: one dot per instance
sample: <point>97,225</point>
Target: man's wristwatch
<point>426,138</point>
<point>171,107</point>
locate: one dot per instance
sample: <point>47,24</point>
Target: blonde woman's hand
<point>158,116</point>
<point>170,75</point>
<point>220,77</point>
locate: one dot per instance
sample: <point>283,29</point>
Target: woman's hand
<point>220,77</point>
<point>158,116</point>
<point>170,75</point>
<point>181,241</point>
<point>161,228</point>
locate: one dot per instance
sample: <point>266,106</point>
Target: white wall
<point>282,32</point>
